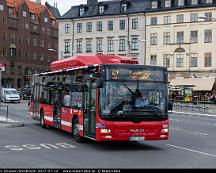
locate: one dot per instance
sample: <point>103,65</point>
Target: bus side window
<point>76,96</point>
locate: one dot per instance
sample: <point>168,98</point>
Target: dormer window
<point>33,17</point>
<point>101,9</point>
<point>154,4</point>
<point>208,1</point>
<point>167,3</point>
<point>1,7</point>
<point>81,11</point>
<point>10,11</point>
<point>181,3</point>
<point>194,2</point>
<point>124,7</point>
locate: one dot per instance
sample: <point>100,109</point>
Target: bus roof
<point>86,60</point>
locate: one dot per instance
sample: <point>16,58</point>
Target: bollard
<point>7,115</point>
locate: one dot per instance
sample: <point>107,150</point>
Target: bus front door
<point>57,108</point>
<point>90,108</point>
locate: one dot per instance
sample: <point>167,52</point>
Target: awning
<point>200,84</point>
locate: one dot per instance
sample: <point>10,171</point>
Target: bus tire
<point>43,125</point>
<point>75,131</point>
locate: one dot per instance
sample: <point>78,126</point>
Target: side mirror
<point>99,83</point>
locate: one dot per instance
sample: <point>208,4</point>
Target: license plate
<point>137,138</point>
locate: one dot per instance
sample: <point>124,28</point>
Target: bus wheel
<point>42,120</point>
<point>76,131</point>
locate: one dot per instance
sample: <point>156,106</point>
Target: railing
<point>199,106</point>
<point>4,112</point>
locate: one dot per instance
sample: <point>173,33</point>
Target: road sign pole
<point>0,86</point>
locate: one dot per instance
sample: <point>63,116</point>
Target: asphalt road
<point>192,144</point>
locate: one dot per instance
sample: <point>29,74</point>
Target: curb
<point>10,123</point>
<point>194,114</point>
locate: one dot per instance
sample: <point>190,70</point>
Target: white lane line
<point>188,149</point>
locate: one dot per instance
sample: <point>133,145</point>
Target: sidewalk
<point>195,110</point>
<point>10,122</point>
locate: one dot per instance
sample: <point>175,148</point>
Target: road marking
<point>39,146</point>
<point>188,149</point>
<point>188,132</point>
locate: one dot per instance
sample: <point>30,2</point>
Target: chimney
<point>92,1</point>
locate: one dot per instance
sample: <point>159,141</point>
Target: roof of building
<point>35,8</point>
<point>113,7</point>
<point>200,84</point>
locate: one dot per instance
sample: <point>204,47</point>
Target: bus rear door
<point>90,108</point>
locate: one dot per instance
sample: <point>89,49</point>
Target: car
<point>10,95</point>
<point>26,93</point>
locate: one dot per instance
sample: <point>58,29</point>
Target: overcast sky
<point>65,5</point>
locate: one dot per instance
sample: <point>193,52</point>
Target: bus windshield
<point>133,98</point>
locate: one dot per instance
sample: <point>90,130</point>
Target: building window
<point>81,11</point>
<point>4,52</point>
<point>88,46</point>
<point>180,18</point>
<point>89,27</point>
<point>10,11</point>
<point>194,36</point>
<point>45,19</point>
<point>181,3</point>
<point>194,17</point>
<point>24,14</point>
<point>67,28</point>
<point>166,38</point>
<point>124,7</point>
<point>122,45</point>
<point>79,27</point>
<point>193,60</point>
<point>153,39</point>
<point>101,9</point>
<point>167,19</point>
<point>110,25</point>
<point>122,24</point>
<point>99,45</point>
<point>99,25</point>
<point>153,20</point>
<point>67,47</point>
<point>135,23</point>
<point>194,2</point>
<point>53,23</point>
<point>1,7</point>
<point>34,56</point>
<point>42,43</point>
<point>79,46</point>
<point>208,59</point>
<point>208,16</point>
<point>35,42</point>
<point>33,18</point>
<point>110,45</point>
<point>134,45</point>
<point>179,60</point>
<point>180,37</point>
<point>208,1</point>
<point>208,36</point>
<point>166,60</point>
<point>153,60</point>
<point>154,4</point>
<point>167,3</point>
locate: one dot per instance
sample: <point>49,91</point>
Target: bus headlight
<point>105,130</point>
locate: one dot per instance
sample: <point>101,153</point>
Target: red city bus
<point>96,97</point>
